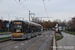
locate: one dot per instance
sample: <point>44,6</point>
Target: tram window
<point>17,28</point>
<point>26,28</point>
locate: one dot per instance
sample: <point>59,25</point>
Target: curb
<point>59,38</point>
<point>4,40</point>
<point>54,42</point>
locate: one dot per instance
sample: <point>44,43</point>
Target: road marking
<point>64,35</point>
<point>16,46</point>
<point>45,43</point>
<point>72,35</point>
<point>26,42</point>
<point>37,36</point>
<point>46,35</point>
<point>68,35</point>
<point>22,44</point>
<point>31,44</point>
<point>41,36</point>
<point>51,35</point>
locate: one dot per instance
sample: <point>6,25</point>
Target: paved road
<point>67,43</point>
<point>6,35</point>
<point>40,42</point>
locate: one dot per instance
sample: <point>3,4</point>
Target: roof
<point>28,22</point>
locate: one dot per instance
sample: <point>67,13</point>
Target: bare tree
<point>57,21</point>
<point>63,23</point>
<point>37,20</point>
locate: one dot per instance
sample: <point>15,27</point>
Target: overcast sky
<point>58,9</point>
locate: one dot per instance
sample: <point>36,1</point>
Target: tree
<point>47,24</point>
<point>37,20</point>
<point>57,21</point>
<point>63,23</point>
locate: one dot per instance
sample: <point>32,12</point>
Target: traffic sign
<point>7,25</point>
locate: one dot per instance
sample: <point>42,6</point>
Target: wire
<point>45,8</point>
<point>22,5</point>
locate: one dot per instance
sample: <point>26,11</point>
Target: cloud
<point>58,9</point>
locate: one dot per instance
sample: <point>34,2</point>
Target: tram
<point>25,29</point>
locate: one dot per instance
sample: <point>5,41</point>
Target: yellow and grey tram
<point>24,29</point>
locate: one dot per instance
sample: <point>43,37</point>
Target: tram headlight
<point>22,34</point>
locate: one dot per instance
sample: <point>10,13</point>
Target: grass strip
<point>73,33</point>
<point>2,33</point>
<point>58,37</point>
<point>4,38</point>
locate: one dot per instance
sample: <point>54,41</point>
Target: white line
<point>51,35</point>
<point>41,36</point>
<point>16,46</point>
<point>26,42</point>
<point>45,43</point>
<point>54,42</point>
<point>22,44</point>
<point>31,45</point>
<point>46,35</point>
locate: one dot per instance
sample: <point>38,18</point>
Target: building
<point>3,27</point>
<point>73,24</point>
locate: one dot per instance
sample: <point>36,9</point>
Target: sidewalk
<point>6,35</point>
<point>57,34</point>
<point>67,42</point>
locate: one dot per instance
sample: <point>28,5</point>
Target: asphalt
<point>40,42</point>
<point>67,43</point>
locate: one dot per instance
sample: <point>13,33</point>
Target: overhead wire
<point>45,8</point>
<point>25,7</point>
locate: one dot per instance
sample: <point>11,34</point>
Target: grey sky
<point>58,9</point>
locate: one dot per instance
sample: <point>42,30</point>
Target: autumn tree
<point>47,24</point>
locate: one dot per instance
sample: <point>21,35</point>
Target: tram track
<point>8,44</point>
<point>23,45</point>
<point>32,45</point>
<point>11,42</point>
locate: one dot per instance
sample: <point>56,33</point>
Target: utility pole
<point>1,17</point>
<point>29,15</point>
<point>23,18</point>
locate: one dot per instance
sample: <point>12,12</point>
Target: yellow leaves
<point>47,24</point>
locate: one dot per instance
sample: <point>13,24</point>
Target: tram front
<point>17,30</point>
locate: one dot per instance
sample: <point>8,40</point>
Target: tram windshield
<point>17,28</point>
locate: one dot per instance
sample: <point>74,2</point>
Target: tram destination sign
<point>17,22</point>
